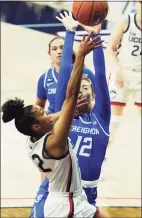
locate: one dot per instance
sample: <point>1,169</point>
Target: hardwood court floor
<point>108,212</point>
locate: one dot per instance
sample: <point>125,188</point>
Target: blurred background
<point>26,29</point>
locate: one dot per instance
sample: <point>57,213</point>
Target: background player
<point>49,148</point>
<point>124,57</point>
<point>90,132</point>
<point>47,84</point>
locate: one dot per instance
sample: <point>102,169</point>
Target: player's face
<point>86,90</point>
<point>56,48</point>
<point>45,121</point>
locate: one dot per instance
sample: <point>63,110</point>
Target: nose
<point>59,51</point>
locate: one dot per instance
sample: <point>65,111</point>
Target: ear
<point>36,127</point>
<point>93,96</point>
<point>48,52</point>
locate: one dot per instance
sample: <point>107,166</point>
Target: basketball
<point>90,13</point>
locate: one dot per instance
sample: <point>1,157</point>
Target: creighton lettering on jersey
<point>84,130</point>
<point>89,143</point>
<point>130,50</point>
<point>64,169</point>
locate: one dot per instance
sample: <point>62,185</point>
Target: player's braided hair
<point>24,117</point>
<point>59,37</point>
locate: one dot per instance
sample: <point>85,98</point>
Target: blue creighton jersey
<point>46,88</point>
<point>90,132</point>
<point>47,85</point>
<point>90,140</point>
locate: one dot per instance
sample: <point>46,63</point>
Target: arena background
<point>26,29</point>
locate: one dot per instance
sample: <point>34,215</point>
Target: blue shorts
<point>91,194</point>
<point>38,207</point>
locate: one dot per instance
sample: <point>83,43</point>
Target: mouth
<point>59,57</point>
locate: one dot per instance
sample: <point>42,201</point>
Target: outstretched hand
<point>87,45</point>
<point>96,29</point>
<point>68,21</point>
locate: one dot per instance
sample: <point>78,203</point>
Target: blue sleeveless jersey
<point>47,85</point>
<point>90,141</point>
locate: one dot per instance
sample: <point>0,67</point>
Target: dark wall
<point>22,13</point>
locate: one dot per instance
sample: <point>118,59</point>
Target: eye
<point>85,88</point>
<point>61,47</point>
<point>54,48</point>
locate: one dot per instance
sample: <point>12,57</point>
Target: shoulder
<point>37,147</point>
<point>32,145</point>
<point>43,75</point>
<point>124,22</point>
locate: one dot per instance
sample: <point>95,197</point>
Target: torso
<point>50,85</point>
<point>90,142</point>
<point>63,173</point>
<point>129,53</point>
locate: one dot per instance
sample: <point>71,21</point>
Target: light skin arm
<point>114,42</point>
<point>40,102</point>
<point>56,144</point>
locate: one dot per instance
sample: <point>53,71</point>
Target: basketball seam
<point>79,10</point>
<point>91,13</point>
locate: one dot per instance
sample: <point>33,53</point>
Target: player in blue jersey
<point>89,133</point>
<point>47,83</point>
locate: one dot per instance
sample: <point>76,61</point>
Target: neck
<point>92,104</point>
<point>57,68</point>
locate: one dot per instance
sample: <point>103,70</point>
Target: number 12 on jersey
<point>83,146</point>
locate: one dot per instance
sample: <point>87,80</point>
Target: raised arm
<point>66,60</point>
<point>56,143</point>
<point>102,100</point>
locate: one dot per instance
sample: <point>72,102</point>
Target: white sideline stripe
<point>90,184</point>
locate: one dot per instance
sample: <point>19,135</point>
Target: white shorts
<point>132,84</point>
<point>60,205</point>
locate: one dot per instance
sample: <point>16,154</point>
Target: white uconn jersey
<point>130,49</point>
<point>63,173</point>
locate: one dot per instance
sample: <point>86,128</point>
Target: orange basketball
<point>90,13</point>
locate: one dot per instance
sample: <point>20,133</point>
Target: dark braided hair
<point>24,116</point>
